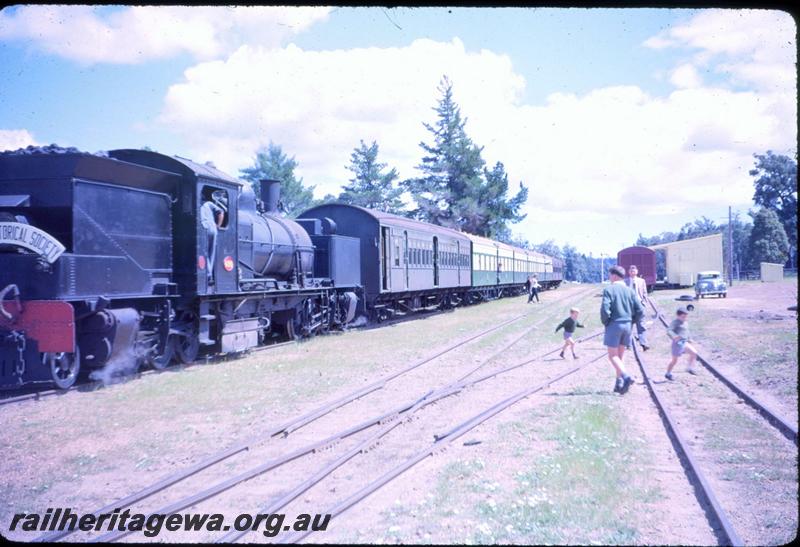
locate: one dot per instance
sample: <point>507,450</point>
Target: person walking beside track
<point>620,307</point>
<point>639,286</point>
<point>534,289</point>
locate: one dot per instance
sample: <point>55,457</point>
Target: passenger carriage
<point>406,264</point>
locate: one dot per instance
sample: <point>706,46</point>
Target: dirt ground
<point>575,463</point>
<point>750,335</point>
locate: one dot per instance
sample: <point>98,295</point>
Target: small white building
<point>771,272</point>
<point>688,257</point>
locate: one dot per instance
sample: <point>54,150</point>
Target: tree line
<point>454,187</point>
<point>770,232</point>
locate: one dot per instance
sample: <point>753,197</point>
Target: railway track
<point>97,384</point>
<point>388,422</point>
<point>441,442</point>
<point>726,531</point>
<point>787,429</point>
<point>92,385</point>
<point>296,423</point>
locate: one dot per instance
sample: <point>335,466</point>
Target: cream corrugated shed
<point>771,272</point>
<point>688,257</point>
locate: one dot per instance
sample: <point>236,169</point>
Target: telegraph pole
<point>602,266</point>
<point>730,247</point>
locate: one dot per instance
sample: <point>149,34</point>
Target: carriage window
<point>396,252</point>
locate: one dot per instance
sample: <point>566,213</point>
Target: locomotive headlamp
<point>201,262</point>
<point>227,263</point>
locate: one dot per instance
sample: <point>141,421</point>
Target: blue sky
<point>620,120</point>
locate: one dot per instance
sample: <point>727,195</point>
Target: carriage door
<point>435,261</point>
<point>405,255</point>
<point>458,261</point>
<point>497,258</point>
<point>385,248</point>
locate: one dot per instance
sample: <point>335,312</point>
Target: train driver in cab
<point>212,217</point>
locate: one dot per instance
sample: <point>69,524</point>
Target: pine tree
<point>451,167</point>
<point>456,190</point>
<point>768,241</point>
<point>370,186</point>
<point>498,210</point>
<point>272,163</point>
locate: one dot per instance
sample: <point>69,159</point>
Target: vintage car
<point>710,282</point>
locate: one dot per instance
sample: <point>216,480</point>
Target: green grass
<point>567,491</point>
<point>146,425</point>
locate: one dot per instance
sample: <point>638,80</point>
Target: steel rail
<point>438,445</point>
<point>295,424</point>
<point>391,417</point>
<point>432,396</point>
<point>94,384</point>
<point>786,428</point>
<point>286,429</point>
<point>36,395</point>
<point>730,537</point>
<point>274,463</point>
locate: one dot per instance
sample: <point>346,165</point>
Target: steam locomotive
<point>109,261</point>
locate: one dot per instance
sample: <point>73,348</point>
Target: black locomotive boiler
<point>110,259</point>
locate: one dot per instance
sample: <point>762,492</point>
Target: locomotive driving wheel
<point>162,361</point>
<point>187,345</point>
<point>64,367</point>
<point>186,348</point>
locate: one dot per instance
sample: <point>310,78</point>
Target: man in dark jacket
<point>620,307</point>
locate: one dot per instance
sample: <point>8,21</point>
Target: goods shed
<point>771,272</point>
<point>687,257</point>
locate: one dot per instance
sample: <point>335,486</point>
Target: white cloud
<point>611,151</point>
<point>137,34</point>
<point>13,139</point>
<point>685,75</point>
<point>318,104</point>
<point>752,47</point>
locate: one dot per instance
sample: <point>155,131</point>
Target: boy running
<point>569,325</point>
<point>679,332</point>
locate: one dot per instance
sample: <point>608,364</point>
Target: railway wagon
<point>644,258</point>
<point>551,270</point>
<point>406,265</point>
<point>687,257</point>
<point>498,266</point>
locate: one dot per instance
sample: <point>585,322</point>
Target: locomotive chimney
<point>270,194</point>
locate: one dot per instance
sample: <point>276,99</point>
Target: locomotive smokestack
<point>270,194</point>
